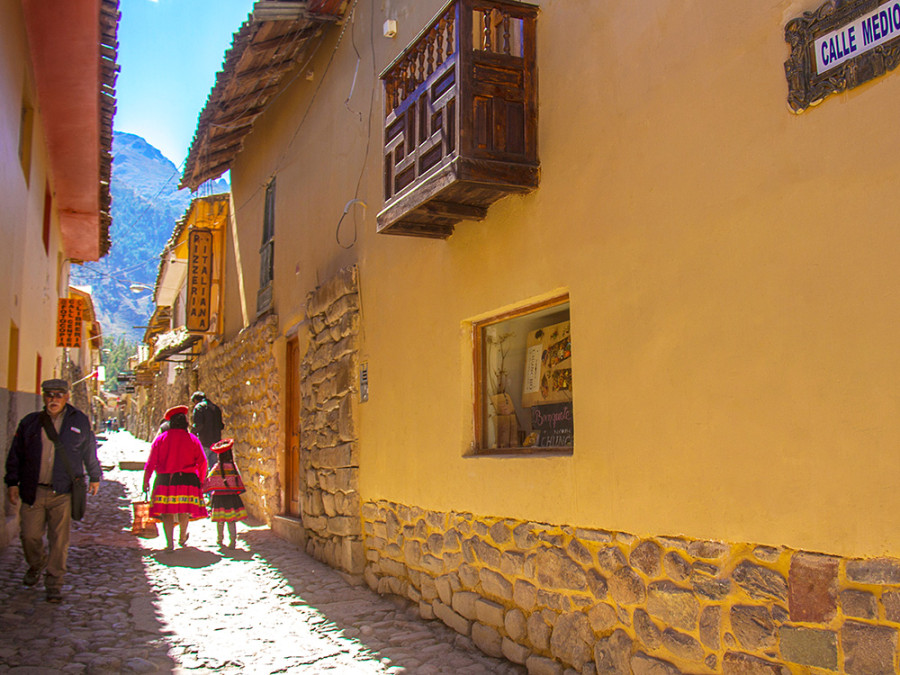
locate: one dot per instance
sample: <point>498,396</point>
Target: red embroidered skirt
<point>226,508</point>
<point>177,493</point>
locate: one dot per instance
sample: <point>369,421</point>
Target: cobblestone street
<point>265,607</point>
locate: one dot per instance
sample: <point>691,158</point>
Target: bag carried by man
<point>79,487</point>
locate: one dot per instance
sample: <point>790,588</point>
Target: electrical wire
<point>312,100</point>
<point>279,164</point>
<point>137,218</point>
<point>365,162</point>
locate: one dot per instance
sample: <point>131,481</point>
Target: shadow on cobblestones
<point>93,630</point>
<point>264,607</point>
<point>187,557</point>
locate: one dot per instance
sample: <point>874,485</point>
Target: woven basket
<point>143,525</point>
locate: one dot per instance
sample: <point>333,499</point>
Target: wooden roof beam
<point>227,152</point>
<point>257,96</point>
<point>232,118</point>
<point>274,69</point>
<point>229,137</point>
<point>284,39</point>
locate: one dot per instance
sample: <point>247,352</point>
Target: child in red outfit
<point>224,485</point>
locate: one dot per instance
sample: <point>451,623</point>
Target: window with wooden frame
<point>523,380</point>
<point>267,252</point>
<point>12,361</point>
<point>48,215</point>
<point>26,133</point>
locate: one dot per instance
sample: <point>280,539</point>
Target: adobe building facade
<point>706,274</point>
<point>57,99</point>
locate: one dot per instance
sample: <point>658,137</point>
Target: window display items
<point>548,366</point>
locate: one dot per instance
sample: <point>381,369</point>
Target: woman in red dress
<point>177,458</point>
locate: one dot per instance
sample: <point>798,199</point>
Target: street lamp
<point>140,288</point>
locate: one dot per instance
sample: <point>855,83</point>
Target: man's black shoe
<point>54,595</point>
<point>32,576</point>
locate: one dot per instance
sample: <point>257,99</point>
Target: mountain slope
<point>146,205</point>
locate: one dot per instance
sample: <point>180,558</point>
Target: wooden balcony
<point>460,125</point>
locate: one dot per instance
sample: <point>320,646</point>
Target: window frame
<point>267,253</point>
<point>47,218</point>
<point>26,137</point>
<point>480,403</point>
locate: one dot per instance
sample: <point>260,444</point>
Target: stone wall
<point>557,597</point>
<point>329,454</point>
<point>160,397</point>
<point>241,376</point>
<point>78,393</point>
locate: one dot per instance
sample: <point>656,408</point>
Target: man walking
<point>37,474</point>
<point>206,424</point>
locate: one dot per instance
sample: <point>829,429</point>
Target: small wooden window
<point>26,133</point>
<point>524,377</point>
<point>267,252</point>
<point>12,368</point>
<point>38,377</point>
<point>48,215</point>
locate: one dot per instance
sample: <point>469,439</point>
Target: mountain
<point>146,204</point>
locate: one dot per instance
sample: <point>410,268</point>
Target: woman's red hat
<point>177,410</point>
<point>222,446</point>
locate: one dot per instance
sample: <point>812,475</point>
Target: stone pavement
<point>265,607</point>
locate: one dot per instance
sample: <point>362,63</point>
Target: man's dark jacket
<point>23,465</point>
<point>206,421</point>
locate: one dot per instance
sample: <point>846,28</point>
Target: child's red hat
<point>222,446</point>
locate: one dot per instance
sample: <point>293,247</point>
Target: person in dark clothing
<point>36,475</point>
<point>206,424</point>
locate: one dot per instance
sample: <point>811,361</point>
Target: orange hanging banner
<point>68,322</point>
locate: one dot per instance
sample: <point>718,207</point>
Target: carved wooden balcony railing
<point>460,126</point>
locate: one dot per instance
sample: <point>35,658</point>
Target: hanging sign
<point>839,46</point>
<point>858,37</point>
<point>68,322</point>
<point>199,282</point>
<point>554,425</point>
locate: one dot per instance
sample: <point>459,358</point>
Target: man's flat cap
<point>54,385</point>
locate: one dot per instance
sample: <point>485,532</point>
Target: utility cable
<point>337,232</point>
<point>279,164</point>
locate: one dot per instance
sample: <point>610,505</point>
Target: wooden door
<point>292,434</point>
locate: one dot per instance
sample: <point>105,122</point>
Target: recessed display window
<point>524,379</point>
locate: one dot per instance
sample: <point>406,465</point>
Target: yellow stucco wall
<point>731,268</point>
<point>32,278</point>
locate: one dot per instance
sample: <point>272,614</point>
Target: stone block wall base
<point>352,579</point>
<point>342,553</point>
<point>290,529</point>
<point>329,448</point>
<point>556,597</point>
<point>241,376</point>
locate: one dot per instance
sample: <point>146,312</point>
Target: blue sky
<point>170,52</point>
